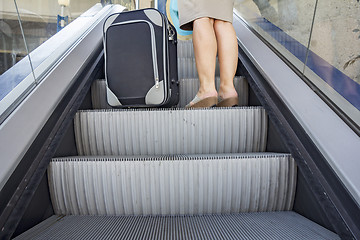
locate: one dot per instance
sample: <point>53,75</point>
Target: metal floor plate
<point>273,225</point>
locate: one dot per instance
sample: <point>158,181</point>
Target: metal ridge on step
<point>170,109</point>
<point>173,157</point>
<point>244,226</point>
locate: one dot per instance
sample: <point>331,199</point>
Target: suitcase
<point>140,59</point>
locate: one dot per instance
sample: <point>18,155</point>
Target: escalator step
<point>173,185</point>
<point>271,225</point>
<point>187,68</point>
<point>176,131</point>
<point>98,94</point>
<point>188,90</point>
<point>186,61</point>
<point>185,49</point>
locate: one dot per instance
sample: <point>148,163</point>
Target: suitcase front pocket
<point>131,63</point>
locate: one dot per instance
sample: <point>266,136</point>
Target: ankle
<point>227,92</point>
<point>204,93</point>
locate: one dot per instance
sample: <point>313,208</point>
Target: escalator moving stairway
<point>174,174</point>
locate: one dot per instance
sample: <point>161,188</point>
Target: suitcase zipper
<point>153,47</point>
<point>171,32</point>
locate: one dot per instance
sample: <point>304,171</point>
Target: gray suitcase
<point>140,60</point>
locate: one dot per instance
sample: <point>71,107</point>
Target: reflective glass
<point>334,59</point>
<point>41,20</point>
<point>285,24</point>
<point>319,37</point>
<point>13,52</point>
<point>37,21</point>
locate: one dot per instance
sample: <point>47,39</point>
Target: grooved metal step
<point>164,131</point>
<point>185,49</point>
<point>244,226</point>
<point>174,185</point>
<point>186,61</point>
<point>98,94</point>
<point>187,68</point>
<point>187,89</point>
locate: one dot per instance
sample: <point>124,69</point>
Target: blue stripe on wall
<point>341,83</point>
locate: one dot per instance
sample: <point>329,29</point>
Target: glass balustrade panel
<point>333,62</point>
<point>285,24</point>
<point>15,68</point>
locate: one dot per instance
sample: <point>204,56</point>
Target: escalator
<point>220,173</point>
<point>126,168</point>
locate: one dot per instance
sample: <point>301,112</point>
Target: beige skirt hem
<point>188,24</point>
<point>190,10</point>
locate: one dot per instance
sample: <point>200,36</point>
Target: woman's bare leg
<point>228,57</point>
<point>205,49</point>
